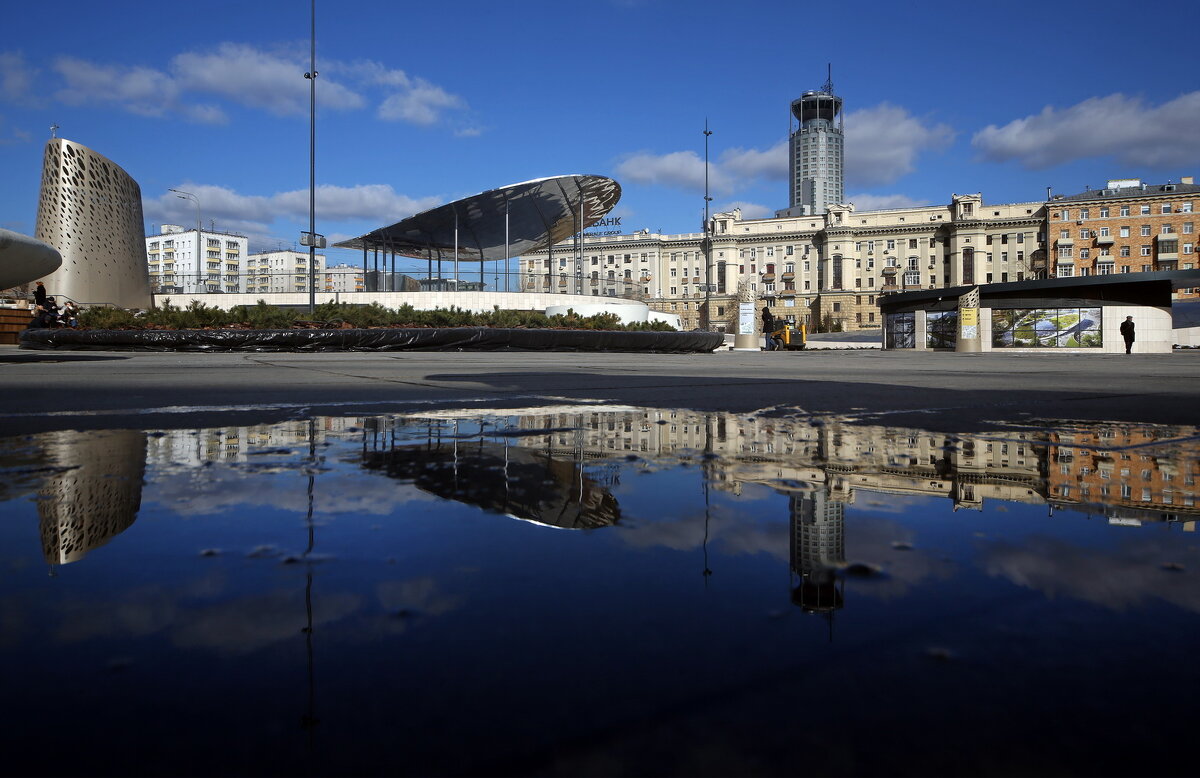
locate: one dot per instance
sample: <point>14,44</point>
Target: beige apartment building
<point>1126,227</point>
<point>824,270</point>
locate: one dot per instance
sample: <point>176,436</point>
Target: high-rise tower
<point>817,153</point>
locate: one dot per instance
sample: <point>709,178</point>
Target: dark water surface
<point>598,590</point>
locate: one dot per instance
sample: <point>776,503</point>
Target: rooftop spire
<point>827,87</point>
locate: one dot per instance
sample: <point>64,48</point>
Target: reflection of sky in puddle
<point>738,586</point>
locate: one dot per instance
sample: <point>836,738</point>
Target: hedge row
<point>198,315</point>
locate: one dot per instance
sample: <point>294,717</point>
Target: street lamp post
<point>311,75</point>
<point>182,195</point>
<point>707,239</point>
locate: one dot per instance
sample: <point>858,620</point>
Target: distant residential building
<point>284,270</point>
<point>1126,227</point>
<point>182,261</point>
<point>344,278</point>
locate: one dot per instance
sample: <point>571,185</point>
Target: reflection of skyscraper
<point>818,550</point>
<point>93,494</point>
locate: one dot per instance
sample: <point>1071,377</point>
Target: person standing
<point>39,295</point>
<point>1127,334</point>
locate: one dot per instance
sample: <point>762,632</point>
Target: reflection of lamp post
<point>182,195</point>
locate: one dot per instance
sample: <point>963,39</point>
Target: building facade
<point>826,271</point>
<point>284,270</point>
<point>1126,227</point>
<point>344,278</point>
<point>816,153</point>
<point>90,210</point>
<point>182,261</point>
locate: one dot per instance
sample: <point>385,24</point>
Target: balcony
<point>1104,240</point>
<point>788,293</point>
<point>768,277</point>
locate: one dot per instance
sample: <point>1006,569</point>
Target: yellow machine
<point>790,338</point>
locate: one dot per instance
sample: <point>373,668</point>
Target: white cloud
<point>272,81</point>
<point>752,163</point>
<point>254,214</point>
<point>679,169</point>
<point>749,210</point>
<point>882,143</point>
<point>16,76</point>
<point>872,202</point>
<point>137,89</point>
<point>1127,128</point>
<point>12,135</point>
<point>419,103</point>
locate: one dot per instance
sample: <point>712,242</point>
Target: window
<point>1145,251</point>
<point>1104,212</point>
<point>1187,228</point>
<point>1124,210</point>
<point>1124,251</point>
<point>1085,234</point>
<point>1065,215</point>
<point>912,243</point>
<point>1064,234</point>
<point>1104,232</point>
<point>1085,253</point>
<point>1144,210</point>
<point>1166,208</point>
<point>1124,232</point>
<point>1085,213</point>
<point>1185,207</point>
<point>1145,230</point>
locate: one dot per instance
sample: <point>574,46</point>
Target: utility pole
<point>311,75</point>
<point>708,284</point>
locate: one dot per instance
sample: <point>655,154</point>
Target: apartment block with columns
<point>824,271</point>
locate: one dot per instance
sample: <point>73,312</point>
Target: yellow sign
<point>968,317</point>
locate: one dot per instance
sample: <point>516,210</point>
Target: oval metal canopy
<point>500,223</point>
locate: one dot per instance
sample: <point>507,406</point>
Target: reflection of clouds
<point>735,534</point>
<point>409,602</point>
<point>1115,579</point>
<point>220,489</point>
<point>251,623</point>
<point>232,626</point>
<point>870,540</point>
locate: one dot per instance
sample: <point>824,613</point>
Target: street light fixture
<point>182,195</point>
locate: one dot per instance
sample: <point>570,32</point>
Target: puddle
<point>600,590</point>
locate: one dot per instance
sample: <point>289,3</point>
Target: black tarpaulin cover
<point>396,339</point>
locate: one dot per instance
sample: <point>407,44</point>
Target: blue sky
<point>423,102</point>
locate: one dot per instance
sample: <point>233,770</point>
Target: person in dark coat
<point>768,320</point>
<point>39,294</point>
<point>1127,334</point>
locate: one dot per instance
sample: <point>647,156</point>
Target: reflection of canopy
<point>500,223</point>
<point>514,481</point>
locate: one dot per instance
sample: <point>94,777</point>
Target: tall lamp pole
<point>182,195</point>
<point>311,75</point>
<point>707,239</point>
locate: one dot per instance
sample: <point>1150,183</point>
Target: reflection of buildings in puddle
<point>1142,471</point>
<point>818,550</point>
<point>95,492</point>
<point>502,478</point>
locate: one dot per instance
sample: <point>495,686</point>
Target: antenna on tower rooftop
<point>827,88</point>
